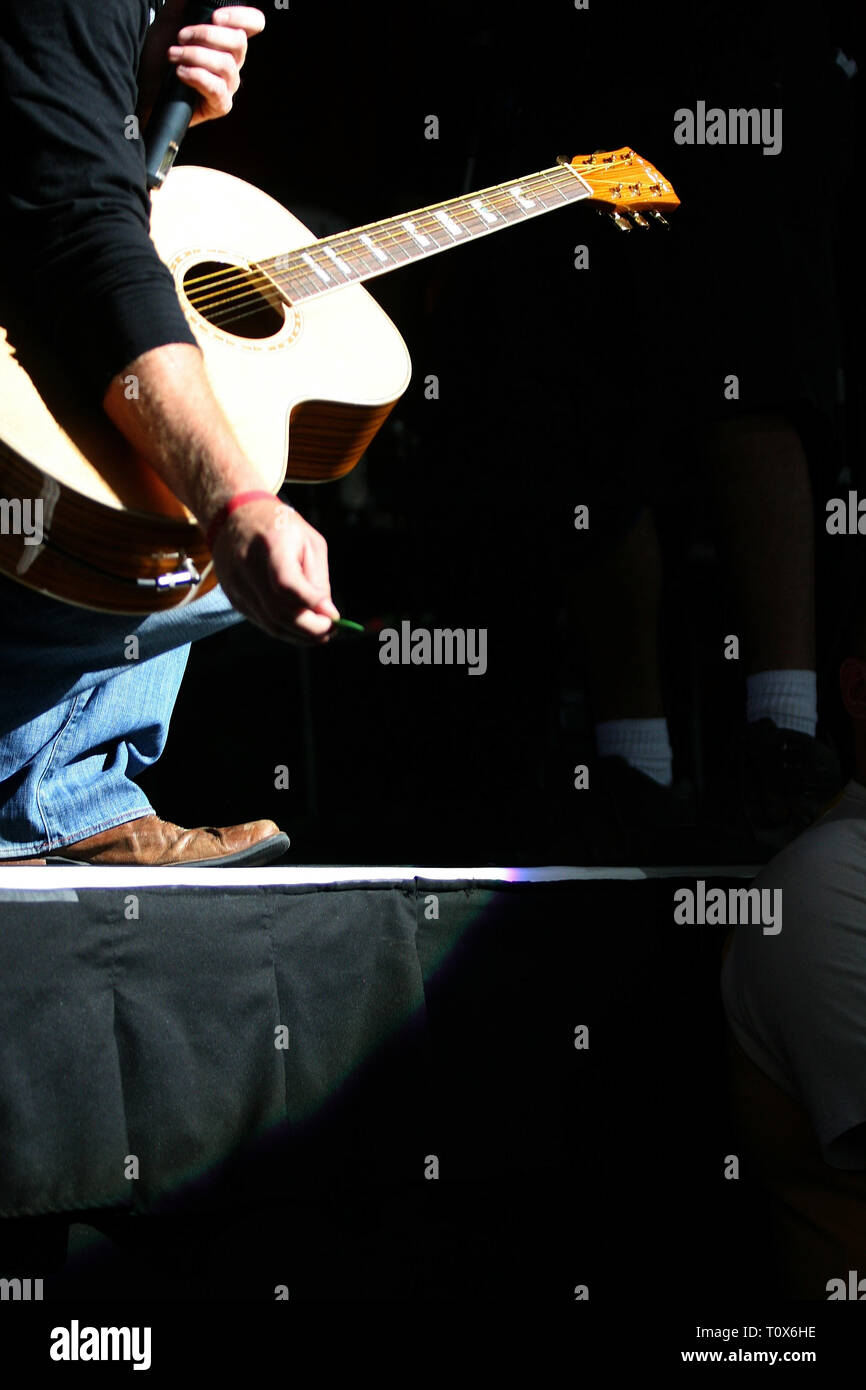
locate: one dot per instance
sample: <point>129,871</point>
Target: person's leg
<point>617,612</point>
<point>617,615</point>
<point>51,652</point>
<point>630,809</point>
<point>778,776</point>
<point>67,774</point>
<point>85,706</point>
<point>760,479</point>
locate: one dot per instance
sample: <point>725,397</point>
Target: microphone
<point>173,109</point>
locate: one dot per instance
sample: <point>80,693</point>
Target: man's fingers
<point>310,630</point>
<point>220,65</point>
<point>299,562</point>
<point>312,626</point>
<point>314,563</point>
<point>305,604</point>
<point>274,567</point>
<point>222,32</point>
<point>294,589</point>
<point>289,621</point>
<point>212,88</point>
<point>306,628</point>
<point>207,37</point>
<point>209,57</point>
<point>244,17</point>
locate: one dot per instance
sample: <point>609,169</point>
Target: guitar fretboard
<point>360,254</point>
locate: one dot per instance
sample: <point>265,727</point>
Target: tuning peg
<point>619,221</point>
<point>663,221</point>
<point>636,217</point>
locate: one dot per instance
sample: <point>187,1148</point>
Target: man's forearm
<point>176,422</point>
<point>272,565</point>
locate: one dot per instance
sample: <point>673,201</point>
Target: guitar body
<point>304,387</point>
<point>303,361</point>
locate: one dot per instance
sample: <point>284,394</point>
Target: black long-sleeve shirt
<point>78,262</point>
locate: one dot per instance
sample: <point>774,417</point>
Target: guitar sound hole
<point>237,300</point>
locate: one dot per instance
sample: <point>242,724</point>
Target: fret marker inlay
<point>520,198</point>
<point>320,270</point>
<point>371,246</point>
<point>341,265</point>
<point>447,222</point>
<point>417,236</point>
<point>484,213</point>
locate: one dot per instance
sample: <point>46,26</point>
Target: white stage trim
<point>67,877</point>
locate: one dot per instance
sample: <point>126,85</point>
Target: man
<point>77,720</point>
<point>796,1006</point>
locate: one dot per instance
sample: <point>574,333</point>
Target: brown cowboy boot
<point>147,840</point>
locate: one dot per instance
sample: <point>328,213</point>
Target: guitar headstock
<point>625,186</point>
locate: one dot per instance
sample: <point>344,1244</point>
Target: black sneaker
<point>775,784</point>
<point>624,817</point>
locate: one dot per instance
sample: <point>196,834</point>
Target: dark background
<point>556,387</point>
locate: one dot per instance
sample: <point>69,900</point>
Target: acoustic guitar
<point>303,360</point>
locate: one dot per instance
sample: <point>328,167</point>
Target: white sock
<point>789,698</point>
<point>644,744</point>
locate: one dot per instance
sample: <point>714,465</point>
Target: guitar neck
<point>365,252</point>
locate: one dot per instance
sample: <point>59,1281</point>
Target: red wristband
<point>232,505</point>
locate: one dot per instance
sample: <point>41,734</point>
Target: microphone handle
<point>173,110</point>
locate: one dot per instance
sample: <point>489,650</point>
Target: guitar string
<point>253,298</point>
<point>203,292</point>
<point>248,302</point>
<point>346,242</point>
<point>225,310</point>
<point>249,287</point>
<point>403,250</point>
<point>253,293</point>
<point>246,286</point>
<point>343,241</point>
<point>423,218</point>
<point>421,213</point>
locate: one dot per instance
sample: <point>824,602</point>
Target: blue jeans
<point>85,704</point>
